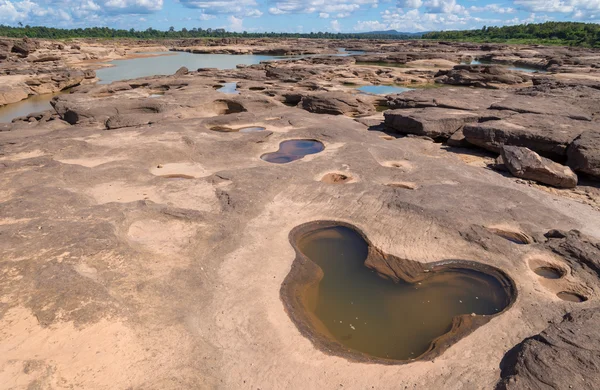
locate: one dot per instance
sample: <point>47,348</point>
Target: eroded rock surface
<point>168,235</point>
<point>566,355</point>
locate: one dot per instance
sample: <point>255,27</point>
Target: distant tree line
<point>561,33</point>
<point>150,33</point>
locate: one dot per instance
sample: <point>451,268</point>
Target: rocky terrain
<point>144,241</point>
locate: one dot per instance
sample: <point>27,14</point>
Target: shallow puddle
<point>571,297</point>
<point>229,89</point>
<point>548,272</point>
<point>293,150</point>
<point>375,316</point>
<point>383,89</point>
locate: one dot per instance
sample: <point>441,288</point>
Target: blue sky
<point>295,15</point>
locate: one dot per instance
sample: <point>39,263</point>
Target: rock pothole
<point>404,185</point>
<point>514,236</point>
<point>226,107</point>
<point>292,150</point>
<point>179,171</point>
<point>571,297</point>
<point>336,178</point>
<point>547,268</point>
<point>399,164</point>
<point>363,323</point>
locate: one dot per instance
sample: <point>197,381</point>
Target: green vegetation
<point>105,32</point>
<point>549,33</point>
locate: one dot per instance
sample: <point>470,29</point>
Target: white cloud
<point>254,13</point>
<point>444,7</point>
<point>549,5</point>
<point>236,7</point>
<point>343,7</point>
<point>324,15</point>
<point>335,26</point>
<point>60,12</point>
<point>412,4</point>
<point>493,8</point>
<point>235,24</point>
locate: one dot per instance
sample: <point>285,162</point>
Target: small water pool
<point>383,89</point>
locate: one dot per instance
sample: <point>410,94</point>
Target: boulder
<point>482,76</point>
<point>22,48</point>
<point>76,109</point>
<point>89,74</point>
<point>13,93</point>
<point>436,123</point>
<point>130,120</point>
<point>527,164</point>
<point>337,103</point>
<point>547,135</point>
<point>182,71</point>
<point>566,355</point>
<point>5,49</point>
<point>584,153</point>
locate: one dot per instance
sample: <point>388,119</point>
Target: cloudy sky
<point>295,15</point>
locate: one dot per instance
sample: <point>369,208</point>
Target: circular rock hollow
<point>226,107</point>
<point>514,236</point>
<point>404,165</point>
<point>571,297</point>
<point>336,178</point>
<point>177,176</point>
<point>223,129</point>
<point>257,88</point>
<point>404,185</point>
<point>292,150</point>
<point>549,272</point>
<point>547,267</point>
<point>179,171</point>
<point>352,300</point>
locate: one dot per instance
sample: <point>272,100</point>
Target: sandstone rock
<point>22,48</point>
<point>455,98</point>
<point>565,355</point>
<point>437,123</point>
<point>182,71</point>
<point>458,139</point>
<point>74,110</point>
<point>13,93</point>
<point>129,120</point>
<point>547,135</point>
<point>45,58</point>
<point>335,103</point>
<point>542,105</point>
<point>527,164</point>
<point>576,249</point>
<point>89,74</point>
<point>584,153</point>
<point>482,76</point>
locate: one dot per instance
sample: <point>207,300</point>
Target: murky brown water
<point>373,315</point>
<point>571,297</point>
<point>293,150</point>
<point>548,272</point>
<point>26,107</point>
